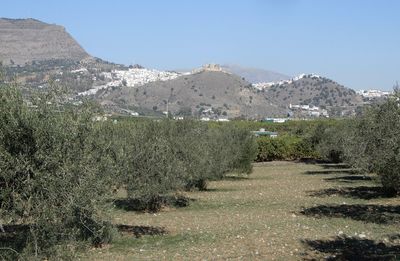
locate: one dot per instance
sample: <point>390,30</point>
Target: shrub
<point>233,149</point>
<point>150,166</point>
<point>330,141</point>
<point>284,147</point>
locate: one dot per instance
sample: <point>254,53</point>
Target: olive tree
<point>53,173</point>
<point>375,143</point>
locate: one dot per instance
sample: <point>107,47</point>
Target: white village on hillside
<point>138,76</point>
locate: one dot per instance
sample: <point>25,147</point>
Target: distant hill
<point>218,93</point>
<point>202,93</point>
<point>312,90</point>
<point>49,54</point>
<point>255,75</point>
<point>25,41</point>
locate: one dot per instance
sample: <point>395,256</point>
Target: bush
<point>285,147</point>
<point>233,149</point>
<point>331,141</point>
<point>152,165</point>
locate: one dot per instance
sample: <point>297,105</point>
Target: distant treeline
<point>297,139</point>
<point>369,143</point>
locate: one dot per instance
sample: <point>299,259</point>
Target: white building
<point>373,93</point>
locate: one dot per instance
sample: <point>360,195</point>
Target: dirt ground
<point>282,211</point>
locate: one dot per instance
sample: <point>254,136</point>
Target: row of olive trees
<point>370,143</point>
<point>58,169</point>
<point>167,156</point>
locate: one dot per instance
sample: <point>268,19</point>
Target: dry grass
<point>258,218</point>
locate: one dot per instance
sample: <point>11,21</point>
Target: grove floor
<point>282,211</point>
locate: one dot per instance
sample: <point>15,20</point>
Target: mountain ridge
<point>24,41</point>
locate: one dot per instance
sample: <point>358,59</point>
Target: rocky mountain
<point>213,93</point>
<point>255,75</point>
<point>25,41</point>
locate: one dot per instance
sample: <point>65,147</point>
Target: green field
<point>282,211</point>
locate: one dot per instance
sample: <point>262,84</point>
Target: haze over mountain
<point>255,75</point>
<point>26,40</point>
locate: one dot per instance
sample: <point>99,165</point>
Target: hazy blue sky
<point>356,43</point>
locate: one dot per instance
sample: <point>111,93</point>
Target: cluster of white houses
<point>138,76</point>
<point>263,132</point>
<point>264,85</point>
<point>309,110</point>
<point>373,93</point>
<point>214,119</point>
<point>131,78</point>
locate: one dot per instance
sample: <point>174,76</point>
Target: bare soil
<point>282,211</point>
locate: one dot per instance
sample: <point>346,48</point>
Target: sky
<point>354,42</point>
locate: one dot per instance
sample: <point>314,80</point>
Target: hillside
<point>222,94</point>
<point>207,93</point>
<point>311,90</point>
<point>28,40</point>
